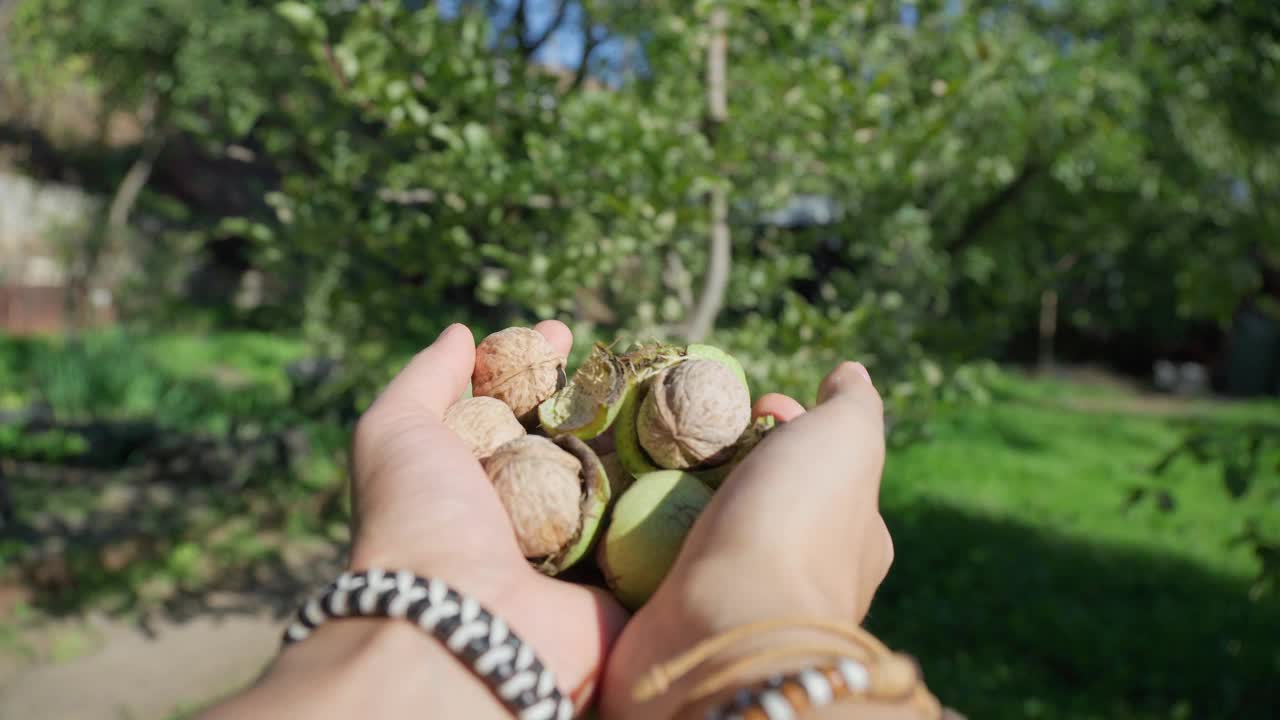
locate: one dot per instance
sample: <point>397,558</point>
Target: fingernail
<point>453,328</point>
<point>862,370</point>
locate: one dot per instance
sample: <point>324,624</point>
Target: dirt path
<point>97,667</point>
<point>139,676</point>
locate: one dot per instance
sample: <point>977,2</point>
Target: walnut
<point>483,423</point>
<point>540,485</point>
<point>519,367</point>
<point>693,414</point>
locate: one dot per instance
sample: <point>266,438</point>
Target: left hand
<point>423,503</point>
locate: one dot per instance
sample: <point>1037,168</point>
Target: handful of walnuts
<point>679,418</point>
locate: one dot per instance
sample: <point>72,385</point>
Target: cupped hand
<point>794,531</point>
<point>423,503</point>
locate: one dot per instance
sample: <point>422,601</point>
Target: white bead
<point>854,674</point>
<point>816,687</point>
<point>776,707</point>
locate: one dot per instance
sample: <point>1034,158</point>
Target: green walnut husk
<point>591,402</point>
<point>647,527</point>
<point>596,496</point>
<point>711,352</point>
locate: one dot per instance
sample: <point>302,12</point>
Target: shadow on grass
<point>1010,622</point>
<point>142,543</point>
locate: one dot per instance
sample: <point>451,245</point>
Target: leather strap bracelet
<point>481,640</point>
<point>858,668</point>
<point>788,696</point>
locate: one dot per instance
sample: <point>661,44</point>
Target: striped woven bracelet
<point>482,641</point>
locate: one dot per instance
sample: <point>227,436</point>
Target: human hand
<point>794,531</point>
<point>423,503</point>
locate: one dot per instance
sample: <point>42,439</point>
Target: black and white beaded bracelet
<point>481,640</point>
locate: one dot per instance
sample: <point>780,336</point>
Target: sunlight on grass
<point>257,357</point>
<point>1029,457</point>
<point>1030,584</point>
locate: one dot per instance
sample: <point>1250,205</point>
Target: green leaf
<point>1236,478</point>
<point>303,18</point>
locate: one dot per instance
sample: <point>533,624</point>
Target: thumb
<point>436,377</point>
<point>847,399</point>
<point>849,386</point>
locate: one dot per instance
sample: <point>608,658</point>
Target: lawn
<point>1033,581</point>
<point>1042,570</point>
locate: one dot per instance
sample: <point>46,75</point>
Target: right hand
<point>794,531</point>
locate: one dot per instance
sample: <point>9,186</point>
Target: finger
<point>781,407</point>
<point>437,376</point>
<point>558,334</point>
<point>848,378</point>
<point>847,393</point>
<point>839,440</point>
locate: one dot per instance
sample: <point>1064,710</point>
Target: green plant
<point>1247,457</point>
<point>93,376</point>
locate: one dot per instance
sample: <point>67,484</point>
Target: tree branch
<point>131,186</point>
<point>590,43</point>
<point>529,48</point>
<point>519,21</point>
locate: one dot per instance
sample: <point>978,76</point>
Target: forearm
<point>364,668</point>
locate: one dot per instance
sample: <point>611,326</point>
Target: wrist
<point>492,582</point>
<point>365,667</point>
<point>712,598</point>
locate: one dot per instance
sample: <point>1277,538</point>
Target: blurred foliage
<point>143,470</point>
<point>1246,456</point>
<point>428,162</point>
<point>111,376</point>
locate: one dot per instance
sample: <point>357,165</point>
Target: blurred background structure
<point>1051,229</point>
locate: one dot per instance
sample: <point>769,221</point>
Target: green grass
<point>253,356</point>
<point>1030,585</point>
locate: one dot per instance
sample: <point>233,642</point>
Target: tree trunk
<point>101,240</point>
<point>1048,329</point>
<point>719,251</point>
